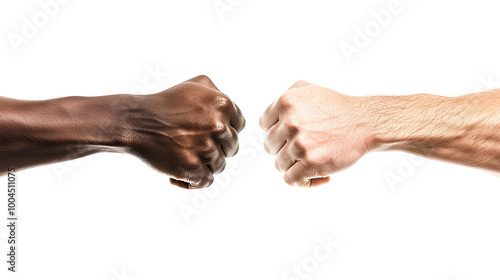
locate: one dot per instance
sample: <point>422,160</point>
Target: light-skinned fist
<point>314,132</point>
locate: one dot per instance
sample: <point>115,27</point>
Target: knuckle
<point>191,163</point>
<point>308,156</point>
<point>203,78</point>
<point>310,159</point>
<point>300,83</point>
<point>207,146</point>
<point>301,143</point>
<point>223,102</point>
<point>291,124</point>
<point>298,150</point>
<point>287,100</point>
<point>203,142</point>
<point>219,127</point>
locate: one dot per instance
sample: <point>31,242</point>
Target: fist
<point>186,131</point>
<point>314,132</point>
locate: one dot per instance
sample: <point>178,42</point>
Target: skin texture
<point>186,131</point>
<point>315,131</point>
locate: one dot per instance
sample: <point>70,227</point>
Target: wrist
<point>413,123</point>
<point>95,123</point>
<point>375,135</point>
<point>112,131</point>
<point>378,112</point>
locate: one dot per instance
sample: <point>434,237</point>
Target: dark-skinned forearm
<point>39,132</point>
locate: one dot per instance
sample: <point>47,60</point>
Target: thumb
<point>319,181</point>
<point>182,184</point>
<point>179,183</point>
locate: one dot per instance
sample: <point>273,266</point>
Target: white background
<point>110,216</point>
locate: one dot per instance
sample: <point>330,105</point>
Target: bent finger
<point>237,120</point>
<point>275,140</point>
<point>217,162</point>
<point>270,117</point>
<point>228,141</point>
<point>299,175</point>
<point>285,158</point>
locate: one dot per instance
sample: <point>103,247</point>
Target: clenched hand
<point>186,131</point>
<point>314,131</point>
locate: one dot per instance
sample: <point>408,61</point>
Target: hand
<point>315,131</point>
<point>186,131</point>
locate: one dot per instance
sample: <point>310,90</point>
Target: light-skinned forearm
<point>464,130</point>
<point>315,131</point>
